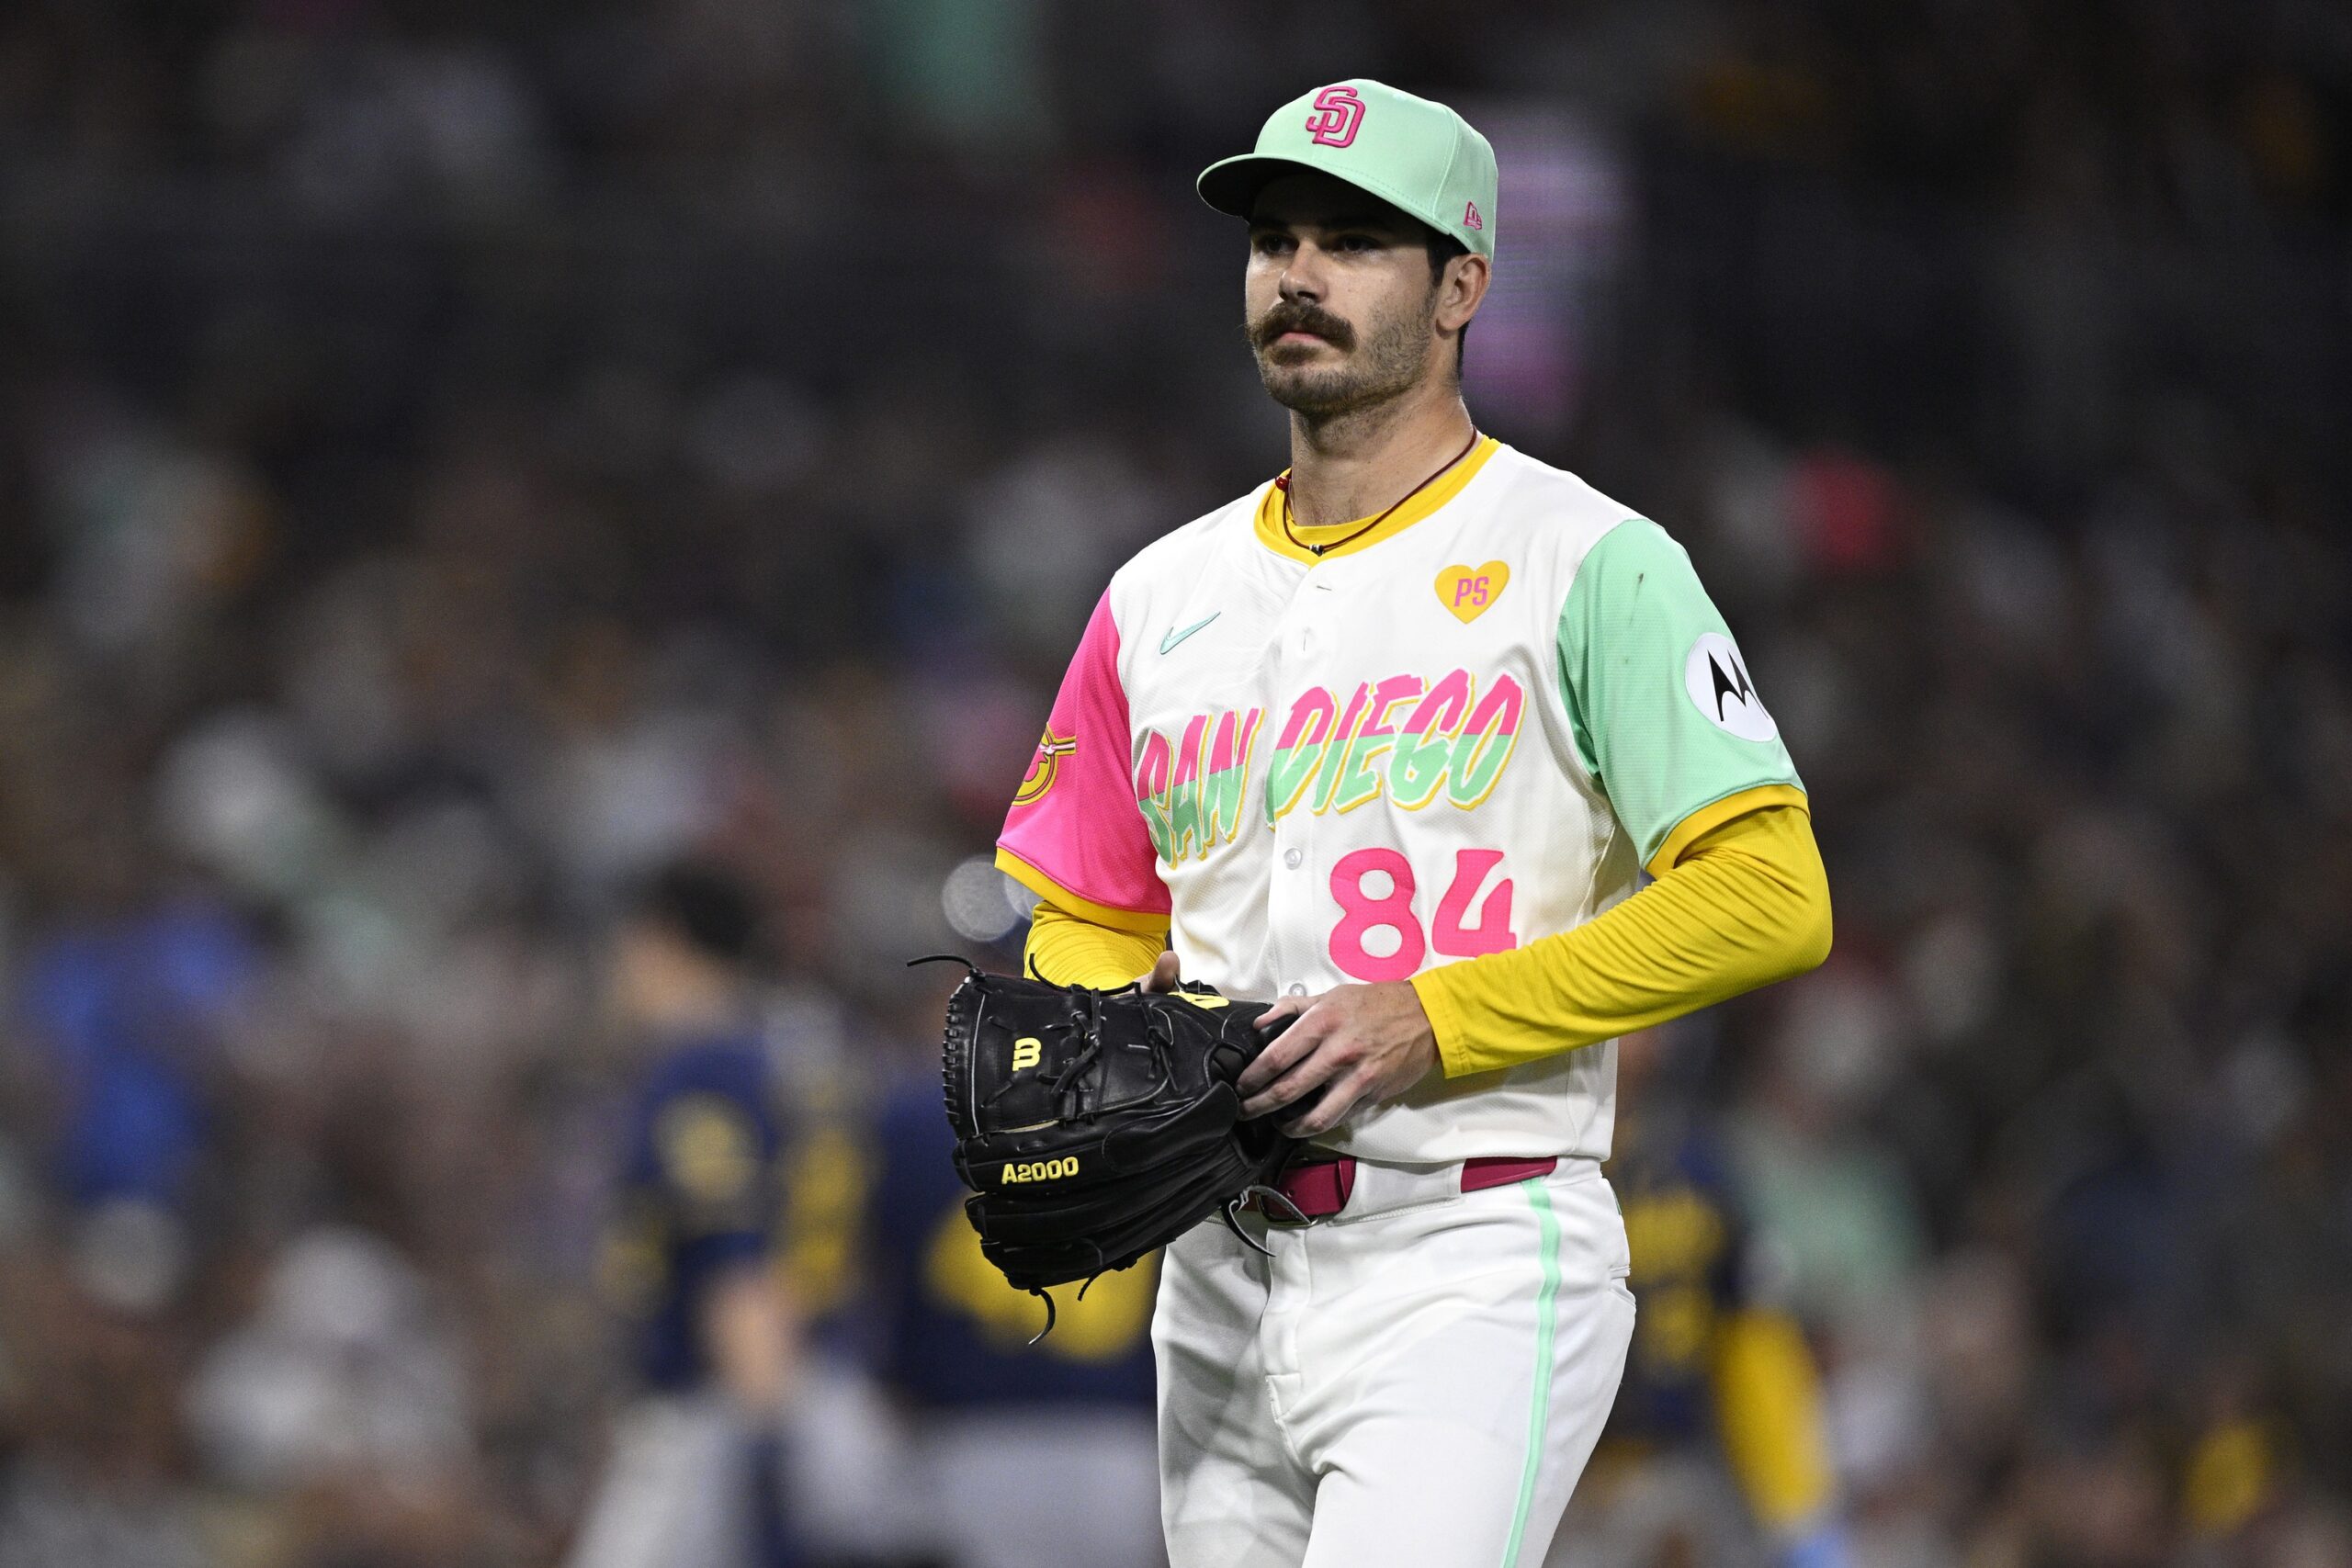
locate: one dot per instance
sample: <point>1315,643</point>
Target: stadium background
<point>455,458</point>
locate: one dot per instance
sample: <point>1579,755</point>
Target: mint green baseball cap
<point>1416,154</point>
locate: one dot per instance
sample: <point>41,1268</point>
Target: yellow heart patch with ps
<point>1468,590</point>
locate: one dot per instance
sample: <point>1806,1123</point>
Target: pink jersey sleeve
<point>1074,834</point>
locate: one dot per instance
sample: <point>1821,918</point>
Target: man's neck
<point>1363,462</point>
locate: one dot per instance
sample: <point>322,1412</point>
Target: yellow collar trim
<point>1448,486</point>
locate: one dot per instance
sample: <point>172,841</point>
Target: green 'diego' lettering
<point>1418,769</point>
<point>1426,748</point>
<point>1286,776</point>
<point>1360,773</point>
<point>1486,745</point>
<point>1343,736</point>
<point>1305,735</point>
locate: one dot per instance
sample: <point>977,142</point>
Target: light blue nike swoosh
<point>1173,639</point>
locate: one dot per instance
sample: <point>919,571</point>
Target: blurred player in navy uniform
<point>1031,1455</point>
<point>1715,1452</point>
<point>695,1476</point>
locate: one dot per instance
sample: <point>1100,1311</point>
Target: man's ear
<point>1462,290</point>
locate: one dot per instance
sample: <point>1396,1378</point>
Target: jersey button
<point>1296,989</point>
<point>1292,858</point>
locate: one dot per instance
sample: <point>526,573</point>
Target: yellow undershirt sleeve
<point>1071,950</point>
<point>1747,904</point>
<point>1768,1402</point>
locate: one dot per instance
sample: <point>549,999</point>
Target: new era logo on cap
<point>1338,112</point>
<point>1470,219</point>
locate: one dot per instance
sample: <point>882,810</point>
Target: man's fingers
<point>1317,1067</point>
<point>1339,1096</point>
<point>1164,975</point>
<point>1279,1055</point>
<point>1286,1007</point>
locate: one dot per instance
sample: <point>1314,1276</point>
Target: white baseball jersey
<point>1468,727</point>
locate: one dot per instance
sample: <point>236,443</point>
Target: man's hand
<point>1367,1043</point>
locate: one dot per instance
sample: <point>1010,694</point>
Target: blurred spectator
<point>343,1370</point>
<point>96,1472</point>
<point>129,1006</point>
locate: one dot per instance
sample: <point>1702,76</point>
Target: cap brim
<point>1231,185</point>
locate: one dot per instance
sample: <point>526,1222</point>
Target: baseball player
<point>1393,739</point>
<point>1009,1432</point>
<point>695,1476</point>
<point>1716,1451</point>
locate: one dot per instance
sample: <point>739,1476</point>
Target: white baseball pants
<point>1416,1381</point>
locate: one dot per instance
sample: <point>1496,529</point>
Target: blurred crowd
<point>457,460</point>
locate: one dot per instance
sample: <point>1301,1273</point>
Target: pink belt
<point>1321,1189</point>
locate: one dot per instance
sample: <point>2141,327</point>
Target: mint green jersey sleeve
<point>1664,710</point>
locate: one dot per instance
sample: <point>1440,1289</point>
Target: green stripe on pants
<point>1539,1414</point>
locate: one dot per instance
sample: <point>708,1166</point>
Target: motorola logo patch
<point>1717,678</point>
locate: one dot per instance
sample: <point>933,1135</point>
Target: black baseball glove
<point>1093,1127</point>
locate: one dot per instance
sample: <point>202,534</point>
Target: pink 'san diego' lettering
<point>1409,738</point>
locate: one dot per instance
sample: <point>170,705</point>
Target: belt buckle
<point>1273,1206</point>
<point>1252,1200</point>
<point>1313,1192</point>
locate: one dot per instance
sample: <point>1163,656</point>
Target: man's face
<point>1340,304</point>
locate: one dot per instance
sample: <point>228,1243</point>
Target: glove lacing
<point>1101,1265</point>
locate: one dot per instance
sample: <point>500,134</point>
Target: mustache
<point>1297,316</point>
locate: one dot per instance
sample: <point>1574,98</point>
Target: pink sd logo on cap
<point>1338,112</point>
